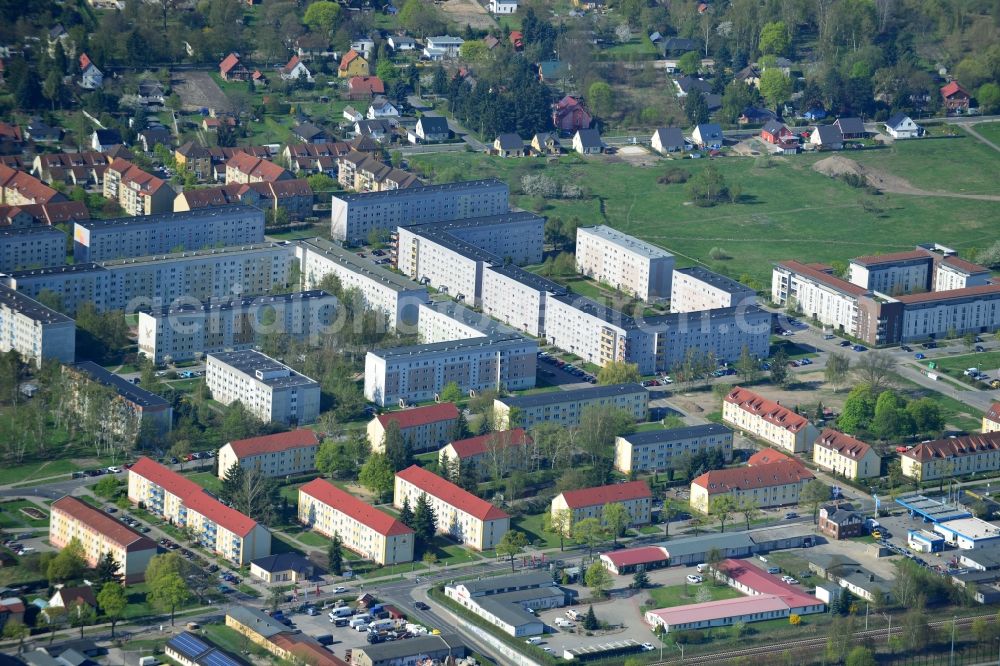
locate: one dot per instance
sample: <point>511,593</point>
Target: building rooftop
<point>355,264</point>
<point>634,556</point>
<point>715,610</point>
<point>477,321</point>
<point>630,243</point>
<point>768,410</point>
<point>281,441</point>
<point>282,562</point>
<point>933,510</point>
<point>822,277</point>
<point>56,270</point>
<point>910,256</point>
<point>845,445</point>
<point>201,651</point>
<point>508,582</point>
<point>450,226</point>
<point>747,478</point>
<point>448,492</point>
<point>700,318</point>
<point>370,197</point>
<point>675,434</point>
<point>124,388</point>
<point>950,447</point>
<point>114,530</point>
<point>384,653</point>
<point>191,255</point>
<point>528,278</point>
<point>558,397</point>
<point>595,309</point>
<point>695,545</point>
<point>30,308</point>
<point>260,623</point>
<point>609,494</point>
<point>171,218</point>
<point>418,416</point>
<point>972,527</point>
<point>37,230</point>
<point>933,297</point>
<point>715,279</point>
<point>763,583</point>
<point>239,302</point>
<point>961,265</point>
<point>364,513</point>
<point>491,342</point>
<point>474,446</point>
<point>263,368</point>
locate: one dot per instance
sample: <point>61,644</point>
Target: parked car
<point>694,579</point>
<point>859,348</point>
<point>845,343</point>
<point>906,348</point>
<point>919,356</point>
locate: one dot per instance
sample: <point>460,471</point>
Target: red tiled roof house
<point>768,420</point>
<point>955,97</point>
<point>845,455</point>
<point>231,69</point>
<point>991,419</point>
<point>952,457</point>
<point>490,455</point>
<point>425,428</point>
<point>281,454</point>
<point>768,484</point>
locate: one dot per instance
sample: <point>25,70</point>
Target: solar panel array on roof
<point>188,645</point>
<point>219,658</point>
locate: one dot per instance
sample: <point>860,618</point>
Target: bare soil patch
<point>837,165</point>
<point>198,90</point>
<point>468,12</point>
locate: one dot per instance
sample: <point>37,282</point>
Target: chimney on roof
<point>777,402</point>
<point>871,578</point>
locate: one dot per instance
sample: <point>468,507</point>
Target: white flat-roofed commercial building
<point>658,450</point>
<point>517,298</point>
<point>34,331</point>
<point>31,247</point>
<point>566,407</point>
<point>624,262</point>
<point>698,288</point>
<point>363,529</point>
<point>471,521</point>
<point>423,428</point>
<point>968,533</point>
<point>274,456</point>
<point>418,373</point>
<point>504,601</point>
<point>770,421</point>
<point>270,390</point>
<point>184,332</point>
<point>382,290</point>
<point>354,215</point>
<point>75,284</point>
<point>119,238</point>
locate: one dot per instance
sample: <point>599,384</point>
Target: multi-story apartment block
<point>769,484</point>
<point>85,168</point>
<point>518,297</point>
<point>31,247</point>
<point>34,331</point>
<point>845,455</point>
<point>391,294</point>
<point>186,505</point>
<point>43,214</point>
<point>274,456</point>
<point>74,284</point>
<point>363,172</point>
<point>100,534</point>
<point>820,295</point>
<point>938,314</point>
<point>769,421</point>
<point>137,192</point>
<point>697,288</point>
<point>18,188</point>
<point>417,373</point>
<point>183,332</point>
<point>566,407</point>
<point>461,515</point>
<point>135,411</point>
<point>245,168</point>
<point>425,428</point>
<point>441,321</point>
<point>722,333</point>
<point>658,450</point>
<point>363,529</point>
<point>893,274</point>
<point>624,262</point>
<point>100,240</point>
<point>956,273</point>
<point>596,333</point>
<point>635,496</point>
<point>270,390</point>
<point>354,215</point>
<point>991,419</point>
<point>952,457</point>
<point>490,455</point>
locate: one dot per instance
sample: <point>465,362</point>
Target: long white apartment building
<point>270,390</point>
<point>185,331</point>
<point>696,288</point>
<point>566,407</point>
<point>120,238</point>
<point>820,295</point>
<point>893,274</point>
<point>517,297</point>
<point>624,262</point>
<point>31,247</point>
<point>352,216</point>
<point>35,331</point>
<point>362,528</point>
<point>658,450</point>
<point>382,290</point>
<point>74,284</point>
<point>274,456</point>
<point>596,333</point>
<point>956,273</point>
<point>722,332</point>
<point>440,321</point>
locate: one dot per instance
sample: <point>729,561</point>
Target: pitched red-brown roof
<point>813,272</point>
<point>364,513</point>
<point>298,187</point>
<point>370,84</point>
<point>114,530</point>
<point>256,167</point>
<point>954,447</point>
<point>281,441</point>
<point>348,58</point>
<point>768,456</point>
<point>474,446</point>
<point>418,416</point>
<point>51,213</point>
<point>766,409</point>
<point>448,492</point>
<point>719,481</point>
<point>610,494</point>
<point>27,186</point>
<point>993,413</point>
<point>953,88</point>
<point>9,131</point>
<point>957,262</point>
<point>634,556</point>
<point>967,292</point>
<point>845,445</point>
<point>230,61</point>
<point>892,257</point>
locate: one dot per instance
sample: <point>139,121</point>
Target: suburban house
<point>363,45</point>
<point>552,71</point>
<point>281,568</point>
<point>503,6</point>
<point>213,123</point>
<point>687,84</point>
<point>851,128</point>
<point>826,137</point>
<point>768,484</point>
<point>841,521</point>
<point>991,419</point>
<point>310,133</point>
<point>39,131</point>
<point>768,420</point>
<point>588,142</point>
<point>154,136</point>
<point>955,97</point>
<point>508,144</point>
<point>295,70</point>
<point>844,455</point>
<point>245,168</point>
<point>668,140</point>
<point>754,115</point>
<point>707,135</point>
<point>364,87</point>
<point>104,139</point>
<point>91,78</point>
<point>546,143</point>
<point>569,115</point>
<point>430,129</point>
<point>777,134</point>
<point>901,126</point>
<point>487,454</point>
<point>11,140</point>
<point>401,43</point>
<point>749,75</point>
<point>376,129</point>
<point>441,47</point>
<point>352,64</point>
<point>67,597</point>
<point>150,93</point>
<point>382,108</point>
<point>425,428</point>
<point>351,114</point>
<point>635,496</point>
<point>231,69</point>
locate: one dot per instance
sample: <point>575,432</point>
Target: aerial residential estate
<point>768,420</point>
<point>487,454</point>
<point>768,484</point>
<point>952,457</point>
<point>566,407</point>
<point>269,389</point>
<point>34,331</point>
<point>657,450</point>
<point>279,455</point>
<point>425,428</point>
<point>845,455</point>
<point>695,288</point>
<point>624,262</point>
<point>584,503</point>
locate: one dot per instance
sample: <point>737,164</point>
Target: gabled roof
<point>850,125</point>
<point>474,446</point>
<point>82,593</point>
<point>281,441</point>
<point>449,493</point>
<point>307,130</point>
<point>845,445</point>
<point>954,447</point>
<point>823,277</point>
<point>370,84</point>
<point>634,556</point>
<point>229,63</point>
<point>897,119</point>
<point>350,57</point>
<point>114,530</point>
<point>993,413</point>
<point>708,131</point>
<point>510,141</point>
<point>670,136</point>
<point>953,88</point>
<point>255,167</point>
<point>418,416</point>
<point>768,456</point>
<point>720,481</point>
<point>610,494</point>
<point>292,63</point>
<point>954,261</point>
<point>828,134</point>
<point>590,138</point>
<point>433,124</point>
<point>774,128</point>
<point>364,513</point>
<point>688,83</point>
<point>951,294</point>
<point>768,410</point>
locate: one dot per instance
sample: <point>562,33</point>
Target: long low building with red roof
<point>425,428</point>
<point>488,454</point>
<point>363,529</point>
<point>767,484</point>
<point>768,420</point>
<point>635,496</point>
<point>277,455</point>
<point>461,515</point>
<point>952,457</point>
<point>99,534</point>
<point>630,560</point>
<point>187,505</point>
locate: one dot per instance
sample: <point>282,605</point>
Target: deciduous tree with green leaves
<point>377,475</point>
<point>598,579</point>
<point>618,372</point>
<point>336,555</point>
<point>511,545</point>
<point>589,532</point>
<point>616,518</point>
<point>112,602</point>
<point>723,507</point>
<point>813,494</point>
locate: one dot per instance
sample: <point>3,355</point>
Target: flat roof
<point>122,386</point>
<point>595,309</point>
<point>971,528</point>
<point>508,606</point>
<point>623,240</point>
<point>452,242</point>
<point>528,278</point>
<point>674,434</point>
<point>56,270</point>
<point>556,397</point>
<point>476,320</point>
<point>496,342</point>
<point>706,542</point>
<point>30,308</point>
<point>389,650</point>
<point>598,650</point>
<point>410,192</point>
<point>15,232</point>
<point>355,264</point>
<point>822,277</point>
<point>199,214</point>
<point>191,255</point>
<point>239,303</point>
<point>715,279</point>
<point>249,362</point>
<point>931,509</point>
<point>509,217</point>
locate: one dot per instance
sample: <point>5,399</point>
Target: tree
<point>589,532</point>
<point>15,630</point>
<point>167,592</point>
<point>722,507</point>
<point>336,555</point>
<point>450,392</point>
<point>601,98</point>
<point>108,569</point>
<point>668,513</point>
<point>747,366</point>
<point>707,187</point>
<point>598,579</point>
<point>640,580</point>
<point>590,622</point>
<point>68,564</point>
<point>876,370</point>
<point>839,639</point>
<point>989,97</point>
<point>377,475</point>
<point>736,97</point>
<point>424,520</point>
<point>916,630</point>
<point>926,415</point>
<point>112,601</point>
<point>322,16</point>
<point>837,367</point>
<point>774,39</point>
<point>779,368</point>
<point>689,63</point>
<point>616,518</point>
<point>696,108</point>
<point>618,372</point>
<point>859,409</point>
<point>397,448</point>
<point>81,615</point>
<point>559,522</point>
<point>750,509</point>
<point>406,513</point>
<point>511,545</point>
<point>473,50</point>
<point>813,494</point>
<point>775,86</point>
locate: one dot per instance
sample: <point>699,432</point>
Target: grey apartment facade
<point>270,390</point>
<point>658,450</point>
<point>624,262</point>
<point>566,407</point>
<point>34,331</point>
<point>31,247</point>
<point>698,288</point>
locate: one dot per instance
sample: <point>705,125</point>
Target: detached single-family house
<point>826,137</point>
<point>364,46</point>
<point>310,133</point>
<point>546,143</point>
<point>364,87</point>
<point>707,136</point>
<point>503,6</point>
<point>401,43</point>
<point>430,129</point>
<point>841,521</point>
<point>508,144</point>
<point>91,78</point>
<point>352,114</point>
<point>443,46</point>
<point>777,134</point>
<point>102,139</point>
<point>352,64</point>
<point>678,45</point>
<point>588,142</point>
<point>668,140</point>
<point>955,97</point>
<point>753,115</point>
<point>749,75</point>
<point>39,131</point>
<point>295,70</point>
<point>552,71</point>
<point>851,128</point>
<point>382,108</point>
<point>151,93</point>
<point>901,126</point>
<point>150,138</point>
<point>376,129</point>
<point>570,115</point>
<point>686,84</point>
<point>231,69</point>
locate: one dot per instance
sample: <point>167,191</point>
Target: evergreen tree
<point>231,484</point>
<point>590,622</point>
<point>424,521</point>
<point>640,580</point>
<point>406,513</point>
<point>336,554</point>
<point>108,569</point>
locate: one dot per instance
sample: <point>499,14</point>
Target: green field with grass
<point>983,360</point>
<point>12,516</point>
<point>207,480</point>
<point>989,130</point>
<point>680,595</point>
<point>531,525</point>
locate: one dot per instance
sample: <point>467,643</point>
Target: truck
<point>381,625</point>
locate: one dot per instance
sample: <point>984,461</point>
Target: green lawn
<point>313,539</point>
<point>207,480</point>
<point>789,211</point>
<point>531,525</point>
<point>12,516</point>
<point>989,130</point>
<point>449,552</point>
<point>372,571</point>
<point>680,595</point>
<point>984,361</point>
<point>638,45</point>
<point>281,544</point>
<point>231,640</point>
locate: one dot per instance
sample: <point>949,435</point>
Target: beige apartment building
<point>991,419</point>
<point>365,530</point>
<point>844,455</point>
<point>490,455</point>
<point>136,191</point>
<point>585,503</point>
<point>186,505</point>
<point>281,454</point>
<point>624,262</point>
<point>694,289</point>
<point>425,428</point>
<point>566,407</point>
<point>769,484</point>
<point>658,450</point>
<point>768,420</point>
<point>99,534</point>
<point>952,457</point>
<point>471,521</point>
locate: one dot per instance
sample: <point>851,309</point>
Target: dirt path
<point>837,165</point>
<point>972,130</point>
<point>468,12</point>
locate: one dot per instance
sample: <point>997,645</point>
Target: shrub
<point>673,176</point>
<point>794,620</point>
<point>718,254</point>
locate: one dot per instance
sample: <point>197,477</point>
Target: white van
<point>379,625</point>
<point>343,611</point>
<point>573,614</point>
<point>358,620</point>
<point>701,567</point>
<point>534,640</point>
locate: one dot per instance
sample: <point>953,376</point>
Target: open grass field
<point>984,361</point>
<point>786,211</point>
<point>990,130</point>
<point>679,595</point>
<point>12,516</point>
<point>531,525</point>
<point>208,481</point>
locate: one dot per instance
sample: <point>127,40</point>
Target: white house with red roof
<point>425,428</point>
<point>845,455</point>
<point>767,484</point>
<point>231,69</point>
<point>277,455</point>
<point>365,530</point>
<point>295,70</point>
<point>635,496</point>
<point>768,420</point>
<point>461,515</point>
<point>490,455</point>
<point>991,419</point>
<point>186,505</point>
